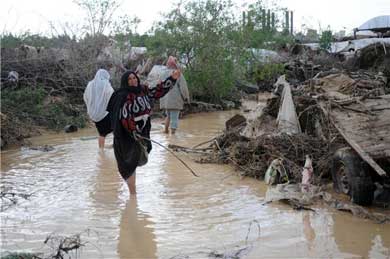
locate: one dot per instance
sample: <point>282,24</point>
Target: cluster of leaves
<point>267,72</point>
<point>326,40</point>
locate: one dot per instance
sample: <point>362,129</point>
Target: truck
<point>362,169</point>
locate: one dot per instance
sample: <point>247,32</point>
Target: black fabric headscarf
<point>117,100</point>
<point>125,84</point>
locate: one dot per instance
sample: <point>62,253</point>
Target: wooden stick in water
<point>170,151</point>
<point>200,144</point>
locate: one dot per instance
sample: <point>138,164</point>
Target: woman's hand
<point>176,74</point>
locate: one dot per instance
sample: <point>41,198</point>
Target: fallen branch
<point>200,144</point>
<point>296,205</point>
<point>189,150</point>
<point>63,245</point>
<point>351,109</point>
<point>232,160</point>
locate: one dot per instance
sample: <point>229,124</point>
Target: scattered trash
<point>44,148</point>
<point>70,128</point>
<point>236,121</point>
<point>247,87</point>
<point>276,173</point>
<point>13,76</point>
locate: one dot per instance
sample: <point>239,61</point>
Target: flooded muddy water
<point>76,189</point>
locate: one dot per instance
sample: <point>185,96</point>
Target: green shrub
<point>20,256</point>
<point>211,81</point>
<point>57,115</point>
<point>28,103</point>
<point>326,40</point>
<point>268,72</point>
<point>27,100</point>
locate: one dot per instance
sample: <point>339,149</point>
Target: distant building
<point>312,35</point>
<point>339,35</point>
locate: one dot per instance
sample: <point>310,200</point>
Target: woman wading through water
<point>130,106</point>
<point>96,96</point>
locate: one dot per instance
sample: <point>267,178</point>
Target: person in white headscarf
<point>96,97</point>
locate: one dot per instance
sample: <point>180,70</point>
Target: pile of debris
<point>253,156</point>
<point>318,137</point>
<point>61,72</point>
<point>297,124</point>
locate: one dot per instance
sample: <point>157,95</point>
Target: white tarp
<point>378,22</point>
<point>366,34</point>
<point>266,56</point>
<point>287,117</point>
<point>362,43</point>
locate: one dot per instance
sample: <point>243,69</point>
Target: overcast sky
<point>36,15</point>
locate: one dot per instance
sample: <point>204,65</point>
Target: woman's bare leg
<point>131,184</point>
<point>101,142</point>
<point>166,125</point>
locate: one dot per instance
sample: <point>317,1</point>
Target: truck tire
<point>349,177</point>
<point>362,190</point>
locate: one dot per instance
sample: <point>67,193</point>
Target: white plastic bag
<point>158,72</point>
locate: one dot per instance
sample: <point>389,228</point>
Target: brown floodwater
<point>76,189</point>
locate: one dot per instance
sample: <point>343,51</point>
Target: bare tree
<point>99,14</point>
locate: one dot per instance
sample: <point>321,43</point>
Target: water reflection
<point>308,231</point>
<point>136,237</point>
<point>361,237</point>
<point>76,188</point>
<point>107,186</point>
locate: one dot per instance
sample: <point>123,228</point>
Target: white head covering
<point>97,95</point>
